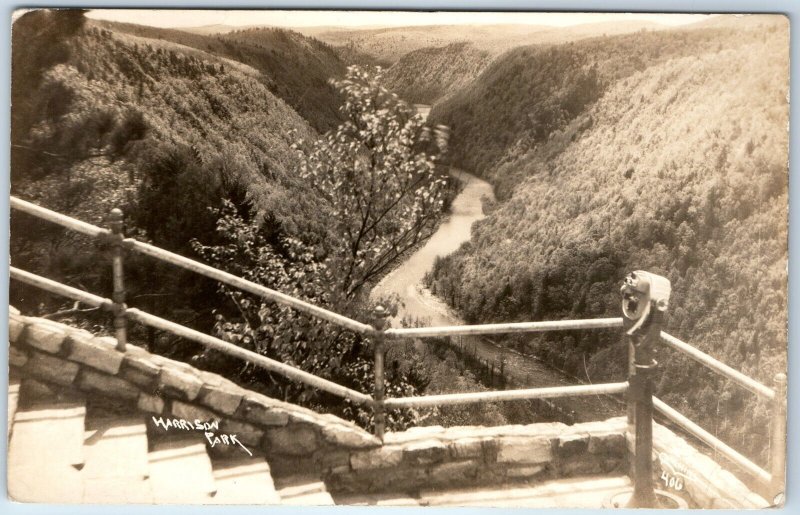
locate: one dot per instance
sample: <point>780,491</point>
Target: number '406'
<point>671,481</point>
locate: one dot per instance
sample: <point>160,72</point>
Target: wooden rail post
<point>115,219</point>
<point>777,460</point>
<point>380,323</point>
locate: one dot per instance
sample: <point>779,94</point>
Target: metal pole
<point>645,301</point>
<point>116,225</point>
<point>380,323</point>
<point>777,462</point>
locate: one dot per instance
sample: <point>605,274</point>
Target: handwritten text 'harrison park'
<point>209,430</point>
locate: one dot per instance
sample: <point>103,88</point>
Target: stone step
<point>581,492</point>
<point>303,490</point>
<point>45,453</point>
<point>116,469</point>
<point>244,481</point>
<point>180,471</point>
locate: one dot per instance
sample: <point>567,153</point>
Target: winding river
<point>418,303</point>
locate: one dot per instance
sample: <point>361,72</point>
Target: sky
<point>197,18</point>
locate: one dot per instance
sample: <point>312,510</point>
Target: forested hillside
<point>425,76</point>
<point>526,96</point>
<point>387,45</point>
<point>118,110</point>
<point>165,132</point>
<point>206,161</point>
<point>666,152</point>
<point>294,67</point>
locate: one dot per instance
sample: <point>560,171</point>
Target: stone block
<point>454,473</point>
<point>420,431</point>
<point>569,446</point>
<point>282,465</point>
<point>105,384</point>
<point>45,337</point>
<point>150,403</point>
<point>163,362</point>
<point>177,382</point>
<point>248,434</point>
<point>412,434</point>
<point>525,472</point>
<point>222,398</point>
<point>332,459</point>
<point>139,368</point>
<point>33,390</point>
<point>17,357</point>
<point>262,410</point>
<point>490,448</point>
<point>51,369</point>
<point>98,352</point>
<point>293,439</point>
<point>514,449</point>
<point>344,435</point>
<point>425,452</point>
<point>339,470</point>
<point>298,415</point>
<point>192,412</point>
<point>608,444</point>
<point>581,465</point>
<point>465,448</point>
<point>394,479</point>
<point>16,325</point>
<point>381,457</point>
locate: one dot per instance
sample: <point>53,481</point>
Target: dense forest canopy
<point>661,151</point>
<point>426,75</point>
<point>294,67</point>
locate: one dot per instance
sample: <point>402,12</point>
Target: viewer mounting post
<point>380,323</point>
<point>115,219</point>
<point>645,298</point>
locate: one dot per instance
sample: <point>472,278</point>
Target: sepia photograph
<point>398,258</point>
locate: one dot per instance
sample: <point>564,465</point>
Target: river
<point>419,304</point>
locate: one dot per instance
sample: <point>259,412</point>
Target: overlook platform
<point>88,424</point>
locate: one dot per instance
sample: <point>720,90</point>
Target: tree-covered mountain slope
<point>294,67</point>
<point>676,164</point>
<point>387,45</point>
<point>525,96</point>
<point>426,75</point>
<point>162,131</point>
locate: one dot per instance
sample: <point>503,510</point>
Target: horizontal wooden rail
<point>190,334</point>
<point>712,441</point>
<point>195,266</point>
<point>248,286</point>
<point>57,218</point>
<point>719,367</point>
<point>515,327</point>
<point>506,395</point>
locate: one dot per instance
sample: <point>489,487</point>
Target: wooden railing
<point>381,335</point>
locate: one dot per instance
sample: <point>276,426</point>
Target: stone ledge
<point>64,357</point>
<point>706,482</point>
<point>425,457</point>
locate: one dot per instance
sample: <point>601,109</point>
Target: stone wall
<point>705,482</point>
<point>70,359</point>
<point>296,439</point>
<point>430,457</point>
